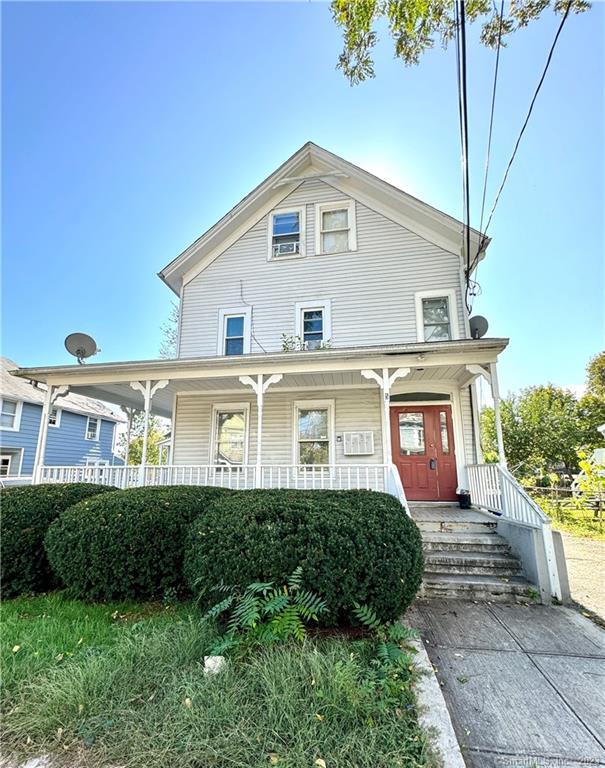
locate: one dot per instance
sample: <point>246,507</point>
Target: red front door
<point>423,451</point>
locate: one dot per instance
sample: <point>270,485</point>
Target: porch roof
<point>430,362</point>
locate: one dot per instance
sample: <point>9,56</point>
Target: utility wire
<point>460,19</point>
<point>524,126</point>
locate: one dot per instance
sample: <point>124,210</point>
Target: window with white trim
<point>436,315</point>
<point>335,230</point>
<point>54,417</point>
<point>314,432</point>
<point>314,323</point>
<point>286,233</point>
<point>234,326</point>
<point>5,465</point>
<point>92,428</point>
<point>9,414</point>
<point>230,435</point>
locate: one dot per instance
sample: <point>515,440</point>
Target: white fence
<point>373,477</point>
<point>493,488</point>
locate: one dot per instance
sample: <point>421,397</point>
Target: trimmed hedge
<point>127,544</point>
<point>354,546</point>
<point>26,513</point>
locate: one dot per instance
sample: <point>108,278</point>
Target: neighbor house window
<point>5,465</point>
<point>286,230</point>
<point>230,435</point>
<point>436,315</point>
<point>54,417</point>
<point>314,432</point>
<point>335,227</point>
<point>9,414</point>
<point>313,323</point>
<point>92,428</point>
<point>234,326</point>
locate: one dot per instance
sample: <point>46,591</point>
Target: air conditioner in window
<point>286,248</point>
<point>358,443</point>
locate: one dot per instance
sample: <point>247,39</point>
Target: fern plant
<point>392,639</point>
<point>262,613</point>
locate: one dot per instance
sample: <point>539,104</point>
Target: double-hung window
<point>5,465</point>
<point>54,417</point>
<point>234,331</point>
<point>229,443</point>
<point>286,233</point>
<point>92,428</point>
<point>9,414</point>
<point>314,432</point>
<point>313,323</point>
<point>436,316</point>
<point>335,230</point>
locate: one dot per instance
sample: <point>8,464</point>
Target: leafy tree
<point>154,436</point>
<point>170,333</point>
<point>595,376</point>
<point>415,26</point>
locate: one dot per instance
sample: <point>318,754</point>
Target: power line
<point>524,126</point>
<point>460,19</point>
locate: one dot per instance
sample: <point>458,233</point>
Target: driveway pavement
<point>586,568</point>
<point>525,685</point>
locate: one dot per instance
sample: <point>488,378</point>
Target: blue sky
<point>129,128</point>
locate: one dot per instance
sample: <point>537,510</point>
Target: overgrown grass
<point>109,685</point>
<point>571,518</point>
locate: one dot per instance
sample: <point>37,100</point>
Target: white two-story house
<point>323,342</point>
<point>323,337</point>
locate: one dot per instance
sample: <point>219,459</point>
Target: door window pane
<point>411,434</point>
<point>230,437</point>
<point>445,441</point>
<point>436,319</point>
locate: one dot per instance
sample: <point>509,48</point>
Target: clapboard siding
<point>371,290</point>
<point>354,410</point>
<point>467,426</point>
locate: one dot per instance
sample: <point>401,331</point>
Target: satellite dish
<point>81,346</point>
<point>479,326</point>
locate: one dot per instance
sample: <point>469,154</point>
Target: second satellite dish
<point>479,326</point>
<point>81,346</point>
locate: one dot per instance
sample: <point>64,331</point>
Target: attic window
<point>335,227</point>
<point>287,233</point>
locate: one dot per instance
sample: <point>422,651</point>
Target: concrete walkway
<point>525,685</point>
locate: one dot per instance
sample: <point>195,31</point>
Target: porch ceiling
<point>121,393</point>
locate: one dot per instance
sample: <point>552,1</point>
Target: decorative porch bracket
<point>148,390</point>
<point>259,386</point>
<point>52,393</point>
<point>491,376</point>
<point>385,381</point>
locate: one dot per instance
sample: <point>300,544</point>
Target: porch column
<point>148,391</point>
<point>497,418</point>
<point>385,382</point>
<point>129,414</point>
<point>52,393</point>
<point>259,387</point>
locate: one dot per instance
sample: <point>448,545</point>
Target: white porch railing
<point>374,477</point>
<point>494,489</point>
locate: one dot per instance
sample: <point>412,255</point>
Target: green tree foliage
<point>170,333</point>
<point>416,25</point>
<point>154,436</point>
<point>545,427</point>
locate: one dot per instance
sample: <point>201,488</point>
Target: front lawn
<point>571,518</point>
<point>123,684</point>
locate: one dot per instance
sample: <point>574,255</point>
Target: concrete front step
<point>478,563</point>
<point>466,587</point>
<point>464,542</point>
<point>456,526</point>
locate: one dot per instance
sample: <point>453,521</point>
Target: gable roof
<point>18,388</point>
<point>314,162</point>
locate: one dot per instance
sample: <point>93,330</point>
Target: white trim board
<point>437,293</point>
<point>223,315</point>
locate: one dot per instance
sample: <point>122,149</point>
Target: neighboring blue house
<point>80,430</point>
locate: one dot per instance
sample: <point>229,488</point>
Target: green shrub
<point>353,546</point>
<point>26,513</point>
<point>128,544</point>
